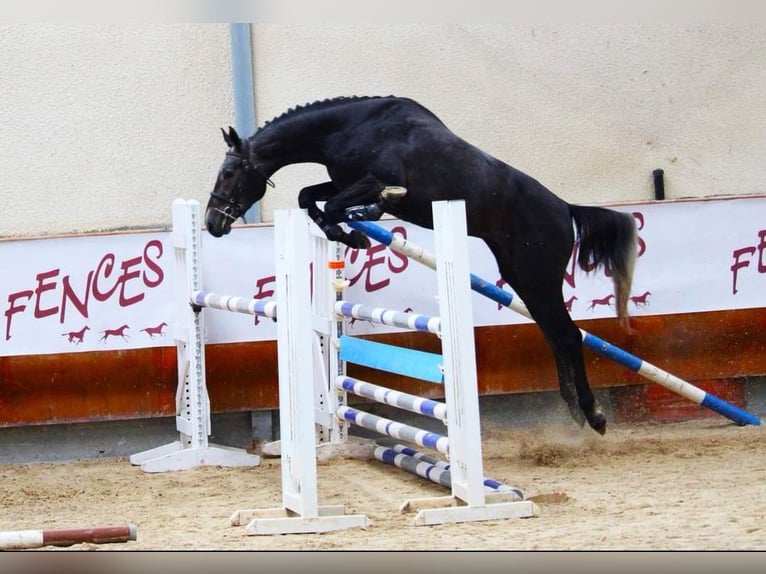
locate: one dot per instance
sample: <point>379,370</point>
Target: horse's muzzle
<point>217,222</point>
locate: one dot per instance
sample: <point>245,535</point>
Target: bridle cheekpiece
<point>231,205</point>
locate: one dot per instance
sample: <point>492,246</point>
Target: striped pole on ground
<point>20,539</point>
<point>437,471</point>
<point>488,482</point>
<point>641,367</point>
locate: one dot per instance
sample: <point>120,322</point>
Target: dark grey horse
<point>390,154</point>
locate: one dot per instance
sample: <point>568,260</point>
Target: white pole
<point>460,384</point>
<point>296,400</point>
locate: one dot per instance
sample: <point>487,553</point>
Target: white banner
<point>114,291</point>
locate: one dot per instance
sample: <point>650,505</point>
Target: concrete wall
<point>102,126</point>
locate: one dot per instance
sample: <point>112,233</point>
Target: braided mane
<point>316,105</point>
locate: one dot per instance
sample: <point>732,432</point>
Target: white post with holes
<point>300,511</point>
<point>192,448</point>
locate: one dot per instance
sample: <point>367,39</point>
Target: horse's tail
<point>608,239</point>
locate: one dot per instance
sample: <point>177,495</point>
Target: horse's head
<point>238,186</point>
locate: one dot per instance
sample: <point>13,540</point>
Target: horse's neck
<point>292,141</point>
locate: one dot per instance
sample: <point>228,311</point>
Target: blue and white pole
<point>413,321</point>
<point>235,303</point>
<point>432,469</point>
<point>394,429</point>
<point>392,397</point>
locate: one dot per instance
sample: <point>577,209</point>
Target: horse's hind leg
<point>565,340</point>
<point>539,286</point>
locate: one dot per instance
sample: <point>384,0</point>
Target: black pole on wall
<point>659,184</point>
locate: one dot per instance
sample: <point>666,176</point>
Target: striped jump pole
<point>391,397</point>
<point>412,321</point>
<point>488,482</point>
<point>394,429</point>
<point>236,304</point>
<point>626,359</point>
<point>20,539</point>
<point>430,468</point>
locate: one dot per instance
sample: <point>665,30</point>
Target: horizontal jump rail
<point>235,303</point>
<point>427,467</point>
<point>626,359</point>
<point>394,429</point>
<point>394,398</point>
<point>398,360</point>
<point>404,320</point>
<point>443,464</point>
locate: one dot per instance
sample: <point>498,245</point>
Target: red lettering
<point>373,259</point>
<point>13,308</point>
<point>639,226</point>
<point>740,263</point>
<point>107,264</point>
<point>125,278</point>
<point>151,263</point>
<point>262,292</point>
<point>761,250</point>
<point>42,287</point>
<point>737,265</point>
<point>404,261</point>
<point>69,295</point>
<point>102,283</point>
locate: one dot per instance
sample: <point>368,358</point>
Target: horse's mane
<point>317,105</point>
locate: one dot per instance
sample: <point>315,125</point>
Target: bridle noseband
<point>231,205</point>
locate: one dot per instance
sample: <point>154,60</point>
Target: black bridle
<point>233,206</point>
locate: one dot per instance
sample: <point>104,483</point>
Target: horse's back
<point>397,134</point>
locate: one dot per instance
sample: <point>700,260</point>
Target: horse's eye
<point>227,173</point>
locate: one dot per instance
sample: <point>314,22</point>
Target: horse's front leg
<point>366,199</point>
<point>307,199</point>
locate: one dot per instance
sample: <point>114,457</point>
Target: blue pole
<point>244,92</point>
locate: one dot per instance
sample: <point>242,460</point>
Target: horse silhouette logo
<point>156,331</point>
<point>641,300</point>
<point>76,337</point>
<point>118,332</point>
<point>606,301</point>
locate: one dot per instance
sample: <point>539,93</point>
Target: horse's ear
<point>226,137</point>
<point>232,138</point>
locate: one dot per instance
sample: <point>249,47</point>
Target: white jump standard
<point>455,368</point>
<point>300,511</point>
<point>192,448</point>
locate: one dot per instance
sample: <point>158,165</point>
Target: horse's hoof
<point>371,212</point>
<point>597,422</point>
<point>393,193</point>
